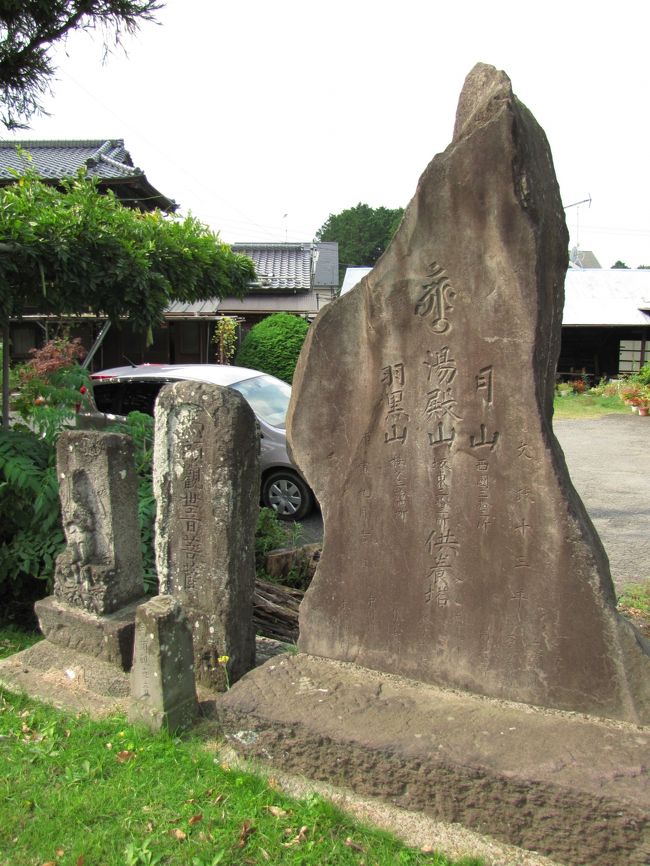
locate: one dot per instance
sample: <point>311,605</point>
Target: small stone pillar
<point>206,483</point>
<point>98,579</point>
<point>162,677</point>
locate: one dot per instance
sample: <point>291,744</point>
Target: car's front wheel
<point>287,494</point>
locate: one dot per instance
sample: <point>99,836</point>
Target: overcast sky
<point>263,118</point>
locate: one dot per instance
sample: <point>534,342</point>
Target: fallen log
<point>275,611</point>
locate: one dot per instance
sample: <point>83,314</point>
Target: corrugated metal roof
<point>607,297</point>
<point>352,277</point>
<point>326,270</point>
<point>180,310</point>
<point>283,267</point>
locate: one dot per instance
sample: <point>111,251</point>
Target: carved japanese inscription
<point>206,482</point>
<point>456,550</point>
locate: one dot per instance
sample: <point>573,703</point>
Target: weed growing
<point>636,598</point>
<point>105,792</point>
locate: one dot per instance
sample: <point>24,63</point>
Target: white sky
<point>246,111</point>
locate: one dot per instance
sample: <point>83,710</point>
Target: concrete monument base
<point>570,786</point>
<point>107,637</point>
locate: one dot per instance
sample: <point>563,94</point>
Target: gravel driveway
<point>609,464</point>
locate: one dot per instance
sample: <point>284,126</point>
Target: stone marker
<point>98,578</point>
<point>457,551</point>
<point>162,677</point>
<point>206,483</point>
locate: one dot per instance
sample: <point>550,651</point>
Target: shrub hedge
<point>273,345</point>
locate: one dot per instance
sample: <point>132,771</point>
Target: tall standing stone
<point>206,483</point>
<point>456,550</point>
<point>98,579</point>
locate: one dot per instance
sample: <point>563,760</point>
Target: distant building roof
<point>583,259</point>
<point>352,277</point>
<point>107,160</point>
<point>606,297</point>
<point>182,310</point>
<point>292,267</point>
<point>280,267</point>
<point>295,278</point>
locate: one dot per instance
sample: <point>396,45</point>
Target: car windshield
<point>268,397</point>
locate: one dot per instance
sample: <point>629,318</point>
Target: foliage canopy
<point>273,345</point>
<point>362,232</point>
<point>76,251</point>
<point>30,28</point>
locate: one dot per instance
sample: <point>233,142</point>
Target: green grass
<point>106,793</point>
<point>587,406</point>
<point>12,640</point>
<point>636,596</point>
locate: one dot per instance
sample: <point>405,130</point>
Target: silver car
<point>121,390</point>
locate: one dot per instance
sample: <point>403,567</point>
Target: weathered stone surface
<point>456,550</point>
<point>569,786</point>
<point>101,568</point>
<point>65,678</point>
<point>162,680</point>
<point>206,482</point>
<point>107,637</point>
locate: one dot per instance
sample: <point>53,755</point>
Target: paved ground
<point>609,464</point>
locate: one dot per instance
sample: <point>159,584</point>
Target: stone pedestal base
<point>109,638</point>
<point>567,785</point>
<point>67,679</point>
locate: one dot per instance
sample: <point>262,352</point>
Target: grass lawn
<point>634,603</point>
<point>587,406</point>
<point>77,792</point>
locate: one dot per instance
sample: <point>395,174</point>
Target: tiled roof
<point>54,160</point>
<point>280,267</point>
<point>107,160</point>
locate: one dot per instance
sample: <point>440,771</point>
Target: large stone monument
<point>98,579</point>
<point>457,551</point>
<point>206,482</point>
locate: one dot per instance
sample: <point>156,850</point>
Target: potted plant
<point>631,394</point>
<point>644,401</point>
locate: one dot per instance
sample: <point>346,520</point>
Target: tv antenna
<point>577,204</point>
